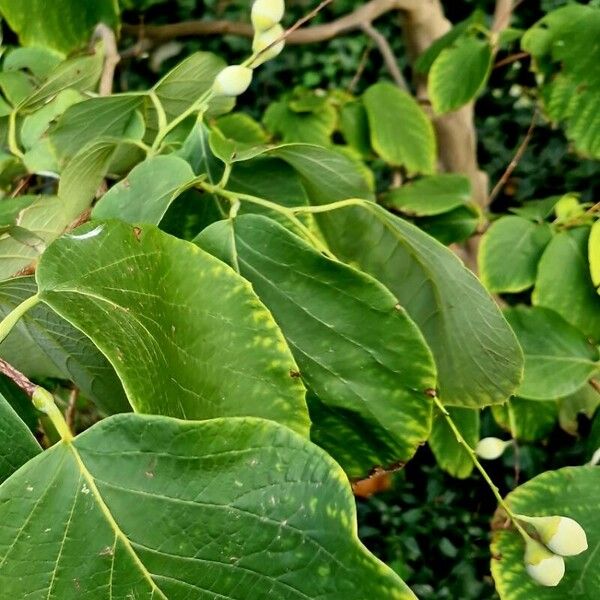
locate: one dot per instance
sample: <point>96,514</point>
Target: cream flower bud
<point>266,13</point>
<point>562,535</point>
<point>490,448</point>
<point>232,81</point>
<point>263,40</point>
<point>543,566</point>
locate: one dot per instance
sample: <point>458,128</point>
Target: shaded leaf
<point>533,419</point>
<point>452,227</point>
<point>558,357</point>
<point>335,319</point>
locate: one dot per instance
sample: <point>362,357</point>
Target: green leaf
<point>462,325</point>
<point>459,73</point>
<point>301,127</point>
<point>449,453</point>
<point>594,253</point>
<point>510,252</point>
<point>80,74</point>
<point>17,444</point>
<point>452,227</point>
<point>536,210</point>
<point>427,58</point>
<point>558,358</point>
<point>533,419</point>
<point>564,282</point>
<point>37,224</point>
<point>335,318</point>
<point>585,401</point>
<point>64,25</point>
<point>431,195</point>
<point>185,333</point>
<point>242,128</point>
<point>95,118</point>
<point>16,86</point>
<point>186,82</point>
<point>83,175</point>
<point>39,61</point>
<point>42,345</point>
<point>570,492</point>
<point>401,132</point>
<point>147,192</point>
<point>239,508</point>
<point>354,126</point>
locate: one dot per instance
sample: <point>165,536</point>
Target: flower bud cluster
<point>558,537</point>
<point>266,16</point>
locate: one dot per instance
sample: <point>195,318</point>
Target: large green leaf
<point>477,356</point>
<point>401,132</point>
<point>147,192</point>
<point>17,444</point>
<point>570,492</point>
<point>564,282</point>
<point>184,332</point>
<point>62,25</point>
<point>356,348</point>
<point>95,118</point>
<point>431,195</point>
<point>156,508</point>
<point>42,344</point>
<point>558,358</point>
<point>459,73</point>
<point>448,451</point>
<point>509,253</point>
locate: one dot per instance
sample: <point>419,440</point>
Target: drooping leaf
<point>334,319</point>
<point>570,492</point>
<point>462,325</point>
<point>242,128</point>
<point>564,282</point>
<point>510,252</point>
<point>147,192</point>
<point>354,126</point>
<point>43,345</point>
<point>401,132</point>
<point>239,508</point>
<point>40,61</point>
<point>187,336</point>
<point>558,358</point>
<point>532,419</point>
<point>17,444</point>
<point>459,73</point>
<point>63,25</point>
<point>448,451</point>
<point>431,195</point>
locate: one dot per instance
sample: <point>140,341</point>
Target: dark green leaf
<point>533,419</point>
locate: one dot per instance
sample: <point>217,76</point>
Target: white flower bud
<point>263,40</point>
<point>562,535</point>
<point>266,13</point>
<point>543,566</point>
<point>490,448</point>
<point>232,81</point>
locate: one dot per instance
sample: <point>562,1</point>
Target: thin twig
<point>516,159</point>
<point>511,59</point>
<point>17,377</point>
<point>387,53</point>
<point>595,384</point>
<point>362,65</point>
